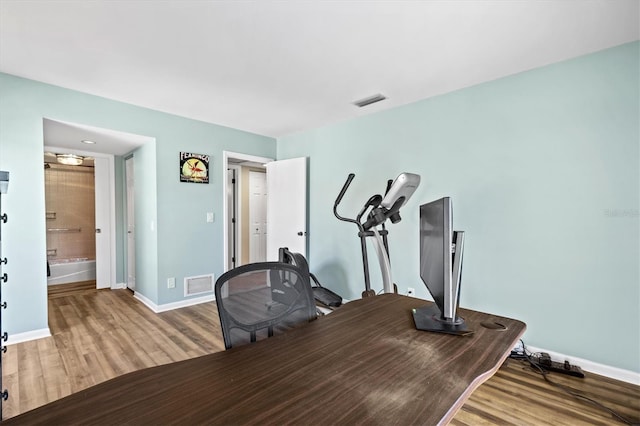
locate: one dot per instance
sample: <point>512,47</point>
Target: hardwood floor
<point>71,289</point>
<point>98,335</point>
<point>519,396</point>
<point>101,334</point>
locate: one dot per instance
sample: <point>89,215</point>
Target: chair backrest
<point>296,259</point>
<point>323,295</point>
<point>259,299</point>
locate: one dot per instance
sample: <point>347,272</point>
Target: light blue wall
<point>543,171</point>
<point>146,219</point>
<point>180,243</point>
<point>542,167</point>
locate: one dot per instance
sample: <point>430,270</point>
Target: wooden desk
<point>365,363</point>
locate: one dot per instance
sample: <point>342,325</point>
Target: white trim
<point>238,209</point>
<point>29,335</point>
<point>225,162</point>
<point>129,176</point>
<point>175,305</point>
<point>593,367</point>
<point>118,286</point>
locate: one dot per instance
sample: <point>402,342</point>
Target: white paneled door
<point>103,222</point>
<point>287,206</point>
<point>257,216</point>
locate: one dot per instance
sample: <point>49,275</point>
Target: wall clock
<point>194,167</point>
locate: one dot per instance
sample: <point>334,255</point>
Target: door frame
<point>128,224</point>
<point>226,155</point>
<point>111,202</point>
<point>236,209</point>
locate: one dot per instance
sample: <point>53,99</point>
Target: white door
<point>257,216</point>
<point>131,226</point>
<point>103,222</point>
<point>287,206</point>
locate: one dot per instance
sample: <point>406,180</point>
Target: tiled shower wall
<point>70,211</point>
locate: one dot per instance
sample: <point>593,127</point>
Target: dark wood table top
<point>364,363</point>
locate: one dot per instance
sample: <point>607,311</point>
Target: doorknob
<point>98,230</point>
<point>302,233</point>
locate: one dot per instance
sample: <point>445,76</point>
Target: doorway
<point>286,206</point>
<point>80,217</point>
<point>241,246</point>
<point>70,219</point>
<point>107,147</point>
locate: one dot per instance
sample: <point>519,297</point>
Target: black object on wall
<point>4,186</point>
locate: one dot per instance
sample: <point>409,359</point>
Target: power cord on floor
<point>522,354</point>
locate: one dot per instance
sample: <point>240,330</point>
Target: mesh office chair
<point>259,299</point>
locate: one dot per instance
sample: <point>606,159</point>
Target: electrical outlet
<point>171,282</point>
<point>411,292</point>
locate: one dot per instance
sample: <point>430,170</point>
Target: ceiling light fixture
<point>69,159</point>
<point>88,142</point>
<point>370,100</point>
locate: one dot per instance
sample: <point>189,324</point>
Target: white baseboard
<point>118,286</point>
<point>29,335</point>
<point>593,367</point>
<point>175,305</point>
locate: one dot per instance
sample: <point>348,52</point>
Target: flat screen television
<point>441,251</point>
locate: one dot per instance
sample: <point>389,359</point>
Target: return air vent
<point>370,100</point>
<point>198,285</point>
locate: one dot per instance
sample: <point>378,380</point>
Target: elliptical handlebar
<point>370,206</point>
<point>344,188</point>
<point>339,199</point>
<point>372,202</point>
<point>365,262</point>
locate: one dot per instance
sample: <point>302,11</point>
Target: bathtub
<point>65,271</point>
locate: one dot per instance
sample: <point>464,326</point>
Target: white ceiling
<point>59,134</point>
<point>278,67</point>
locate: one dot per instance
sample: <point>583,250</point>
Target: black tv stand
<point>429,318</point>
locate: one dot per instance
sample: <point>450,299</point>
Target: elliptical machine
<point>375,212</point>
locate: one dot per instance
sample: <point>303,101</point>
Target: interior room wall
<point>172,236</point>
<point>543,171</point>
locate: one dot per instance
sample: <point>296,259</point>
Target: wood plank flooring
<point>101,334</point>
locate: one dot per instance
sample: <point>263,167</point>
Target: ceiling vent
<point>370,100</point>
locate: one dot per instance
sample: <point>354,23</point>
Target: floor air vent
<point>198,285</point>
